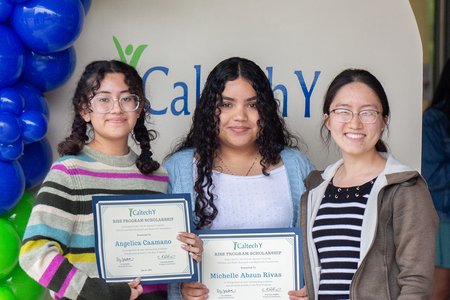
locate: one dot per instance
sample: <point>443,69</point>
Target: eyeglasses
<point>343,115</point>
<point>104,104</point>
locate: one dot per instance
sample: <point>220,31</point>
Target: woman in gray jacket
<point>368,220</point>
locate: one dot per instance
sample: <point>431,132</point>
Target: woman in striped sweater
<point>58,248</point>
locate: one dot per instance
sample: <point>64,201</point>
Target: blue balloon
<point>11,101</point>
<point>49,71</point>
<point>9,128</point>
<point>47,26</point>
<point>86,5</point>
<point>12,185</point>
<point>11,56</point>
<point>36,162</point>
<point>34,126</point>
<point>13,151</point>
<point>34,99</point>
<point>6,8</point>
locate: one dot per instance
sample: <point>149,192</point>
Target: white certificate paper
<point>257,264</point>
<point>136,236</point>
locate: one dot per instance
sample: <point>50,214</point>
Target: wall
<point>302,45</point>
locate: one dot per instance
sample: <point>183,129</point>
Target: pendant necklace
<point>228,169</point>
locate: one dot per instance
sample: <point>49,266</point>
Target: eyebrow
<point>233,99</point>
<point>346,106</point>
<point>108,92</point>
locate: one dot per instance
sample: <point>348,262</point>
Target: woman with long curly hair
<point>239,162</point>
<point>58,248</point>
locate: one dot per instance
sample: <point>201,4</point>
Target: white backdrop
<point>176,43</point>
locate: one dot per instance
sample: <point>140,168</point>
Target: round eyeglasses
<point>104,104</point>
<point>343,115</point>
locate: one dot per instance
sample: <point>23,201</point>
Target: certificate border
<point>272,232</point>
<point>99,201</point>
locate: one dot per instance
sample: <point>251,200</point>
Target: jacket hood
<point>394,171</point>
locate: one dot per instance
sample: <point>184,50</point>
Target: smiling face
<point>238,120</point>
<point>355,138</point>
<point>115,126</point>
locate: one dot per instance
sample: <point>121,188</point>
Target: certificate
<point>256,264</point>
<point>136,236</point>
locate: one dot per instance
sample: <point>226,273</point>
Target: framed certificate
<point>136,236</point>
<point>256,264</point>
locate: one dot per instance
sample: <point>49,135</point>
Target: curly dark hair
<point>273,135</point>
<point>88,84</point>
<point>349,76</point>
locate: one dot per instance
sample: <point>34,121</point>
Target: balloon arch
<point>36,56</point>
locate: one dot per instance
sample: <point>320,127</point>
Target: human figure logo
<point>129,51</point>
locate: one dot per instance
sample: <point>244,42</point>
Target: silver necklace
<point>228,169</point>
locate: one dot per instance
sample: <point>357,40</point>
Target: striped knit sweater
<point>58,249</point>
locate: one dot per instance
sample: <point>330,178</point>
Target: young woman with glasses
<point>58,248</point>
<point>368,221</point>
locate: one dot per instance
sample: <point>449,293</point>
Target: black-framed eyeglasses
<point>104,104</point>
<point>342,115</point>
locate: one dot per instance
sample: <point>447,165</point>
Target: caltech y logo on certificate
<point>245,245</point>
<point>141,212</point>
<point>179,105</point>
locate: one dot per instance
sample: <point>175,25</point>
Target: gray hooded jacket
<point>397,238</point>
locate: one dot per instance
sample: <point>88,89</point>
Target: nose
<point>240,113</point>
<point>116,106</point>
<point>355,122</point>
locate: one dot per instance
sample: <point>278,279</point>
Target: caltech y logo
<point>129,51</point>
<point>180,104</point>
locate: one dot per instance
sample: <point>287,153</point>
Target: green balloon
<point>20,214</point>
<point>9,247</point>
<point>24,287</point>
<point>6,293</point>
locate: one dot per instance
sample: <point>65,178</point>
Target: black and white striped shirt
<point>337,236</point>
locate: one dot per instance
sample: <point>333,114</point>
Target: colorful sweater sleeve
<point>55,252</point>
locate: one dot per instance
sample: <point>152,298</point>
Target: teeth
<point>355,135</point>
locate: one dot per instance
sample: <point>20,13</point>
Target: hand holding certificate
<point>137,236</point>
<point>257,264</point>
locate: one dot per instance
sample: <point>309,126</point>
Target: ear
<point>385,121</point>
<point>326,119</point>
<point>139,110</point>
<point>142,106</point>
<point>85,114</point>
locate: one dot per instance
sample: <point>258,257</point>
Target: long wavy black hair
<point>441,97</point>
<point>273,135</point>
<point>349,76</point>
<point>87,86</point>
